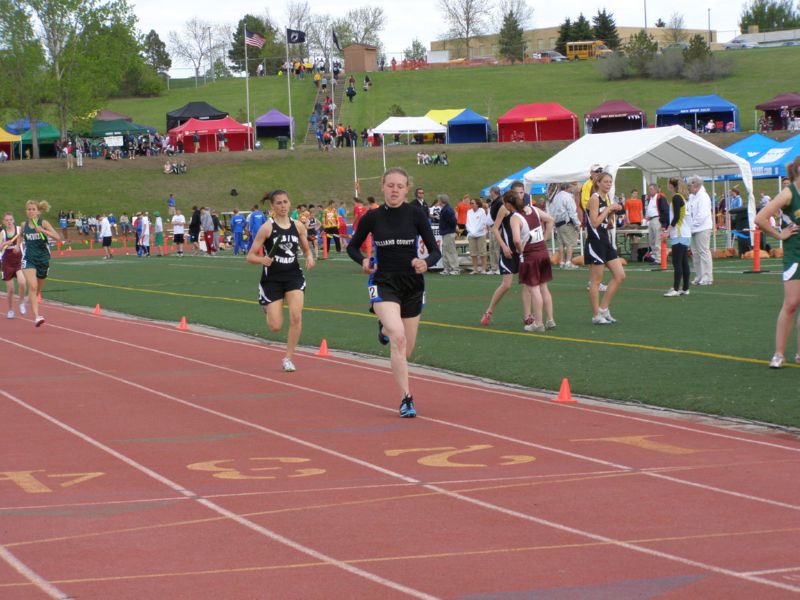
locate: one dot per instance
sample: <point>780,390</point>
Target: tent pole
<point>289,87</point>
<point>714,206</point>
<point>383,149</point>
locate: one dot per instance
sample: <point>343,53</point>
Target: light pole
<point>709,28</point>
<point>645,15</point>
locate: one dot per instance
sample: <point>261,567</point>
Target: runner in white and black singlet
<point>11,247</point>
<point>276,248</point>
<point>599,251</point>
<point>396,285</point>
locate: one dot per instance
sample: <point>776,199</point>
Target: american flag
<point>253,39</point>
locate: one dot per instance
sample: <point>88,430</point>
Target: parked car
<point>791,43</point>
<point>675,46</point>
<point>739,45</point>
<point>551,54</point>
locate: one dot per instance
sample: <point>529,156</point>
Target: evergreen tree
<point>511,44</point>
<point>606,29</point>
<point>272,54</point>
<point>581,30</point>
<point>564,36</point>
<point>640,50</point>
<point>155,52</point>
<point>769,15</point>
<point>698,49</point>
<point>416,51</point>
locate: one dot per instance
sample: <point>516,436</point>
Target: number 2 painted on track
<point>440,457</point>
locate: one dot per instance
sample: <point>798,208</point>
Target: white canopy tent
<point>659,152</point>
<point>407,126</point>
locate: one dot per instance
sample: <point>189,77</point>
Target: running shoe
<point>23,308</point>
<point>606,314</point>
<point>10,314</point>
<point>777,361</point>
<point>288,365</point>
<point>39,321</point>
<point>407,410</point>
<point>551,324</point>
<point>684,292</point>
<point>603,287</point>
<point>383,339</point>
<point>533,327</point>
<point>797,358</point>
<point>672,292</point>
<point>598,319</point>
<point>486,319</point>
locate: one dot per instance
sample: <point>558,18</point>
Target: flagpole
<point>355,168</point>
<point>250,141</point>
<point>287,70</point>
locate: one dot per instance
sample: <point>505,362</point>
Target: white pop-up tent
<point>407,126</point>
<point>660,152</point>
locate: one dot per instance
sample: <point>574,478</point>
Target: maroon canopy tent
<point>537,123</point>
<point>614,115</point>
<point>772,108</point>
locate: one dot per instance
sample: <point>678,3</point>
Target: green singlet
<point>791,247</point>
<point>37,250</point>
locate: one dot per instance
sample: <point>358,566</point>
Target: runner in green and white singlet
<point>36,259</point>
<point>787,201</point>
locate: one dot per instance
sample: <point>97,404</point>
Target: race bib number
<point>537,235</point>
<point>373,291</point>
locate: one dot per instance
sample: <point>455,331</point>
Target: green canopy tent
<point>46,136</point>
<point>101,129</point>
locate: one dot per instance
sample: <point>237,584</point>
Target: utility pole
<point>709,27</point>
<point>645,15</point>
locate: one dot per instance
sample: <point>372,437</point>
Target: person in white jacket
<point>476,234</point>
<point>701,215</point>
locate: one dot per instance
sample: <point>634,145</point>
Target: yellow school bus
<point>587,50</point>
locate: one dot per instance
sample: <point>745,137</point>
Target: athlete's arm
<point>498,223</point>
<point>773,207</point>
<point>252,255</point>
<point>46,228</point>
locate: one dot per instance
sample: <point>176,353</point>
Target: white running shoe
<point>39,321</point>
<point>599,319</point>
<point>23,308</point>
<point>288,365</point>
<point>672,292</point>
<point>603,287</point>
<point>10,314</point>
<point>606,314</point>
<point>777,361</point>
<point>684,292</point>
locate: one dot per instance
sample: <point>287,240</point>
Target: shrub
<point>708,69</point>
<point>669,65</point>
<point>396,111</point>
<point>640,50</point>
<point>616,66</point>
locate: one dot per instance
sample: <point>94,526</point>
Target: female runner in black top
<point>281,275</point>
<point>396,285</point>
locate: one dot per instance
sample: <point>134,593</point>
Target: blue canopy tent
<point>751,148</point>
<point>692,112</point>
<point>773,162</point>
<point>20,126</point>
<point>468,127</point>
<point>505,183</point>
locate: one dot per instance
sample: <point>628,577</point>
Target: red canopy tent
<point>614,115</point>
<point>772,108</point>
<point>236,134</point>
<point>537,123</point>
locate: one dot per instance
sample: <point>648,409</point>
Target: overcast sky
<point>421,19</point>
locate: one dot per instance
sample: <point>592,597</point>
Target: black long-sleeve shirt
<point>395,234</point>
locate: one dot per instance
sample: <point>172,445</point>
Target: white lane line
<point>482,432</point>
<point>31,575</point>
<point>443,491</point>
<point>444,381</point>
<point>212,505</point>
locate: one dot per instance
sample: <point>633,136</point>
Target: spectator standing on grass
<point>217,230</point>
<point>238,224</point>
<point>787,201</point>
<point>447,229</point>
<point>207,227</point>
<point>680,238</point>
<point>657,216</point>
<point>330,224</point>
<point>419,202</point>
<point>194,230</point>
<point>282,239</point>
<point>476,235</point>
<point>124,225</point>
<point>171,205</point>
<point>702,223</point>
<point>105,236</point>
<point>178,229</point>
<point>599,252</point>
<point>255,220</point>
<point>146,233</point>
<point>113,222</point>
<point>462,208</point>
<point>11,248</point>
<point>158,228</point>
<point>567,224</point>
<point>63,225</point>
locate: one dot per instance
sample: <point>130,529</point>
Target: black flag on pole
<point>295,36</point>
<point>336,41</point>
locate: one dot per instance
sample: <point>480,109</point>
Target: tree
<point>416,51</point>
<point>271,55</point>
<point>320,38</point>
<point>582,30</point>
<point>89,49</point>
<point>365,25</point>
<point>660,23</point>
<point>155,53</point>
<point>606,29</point>
<point>769,15</point>
<point>640,51</point>
<point>193,44</point>
<point>465,18</point>
<point>519,8</point>
<point>23,69</point>
<point>511,44</point>
<point>698,49</point>
<point>675,31</point>
<point>564,36</point>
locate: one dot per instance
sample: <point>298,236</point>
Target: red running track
<point>139,461</point>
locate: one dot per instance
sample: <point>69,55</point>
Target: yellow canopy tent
<point>443,115</point>
<point>7,140</point>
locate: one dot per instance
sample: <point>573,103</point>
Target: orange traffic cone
<point>182,325</point>
<point>323,349</point>
<point>97,309</point>
<point>564,395</point>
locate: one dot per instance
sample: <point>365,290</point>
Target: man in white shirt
<point>701,217</point>
<point>178,230</point>
<point>105,236</point>
<point>145,239</point>
<point>563,210</point>
<point>652,214</point>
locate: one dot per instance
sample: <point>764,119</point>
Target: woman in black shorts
<point>599,252</point>
<point>281,275</point>
<point>396,284</point>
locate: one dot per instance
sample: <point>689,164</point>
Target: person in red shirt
<point>359,210</point>
<point>462,208</point>
<point>634,209</point>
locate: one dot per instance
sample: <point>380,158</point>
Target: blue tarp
<point>773,162</point>
<point>468,127</point>
<point>693,111</point>
<point>505,183</point>
<point>20,126</point>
